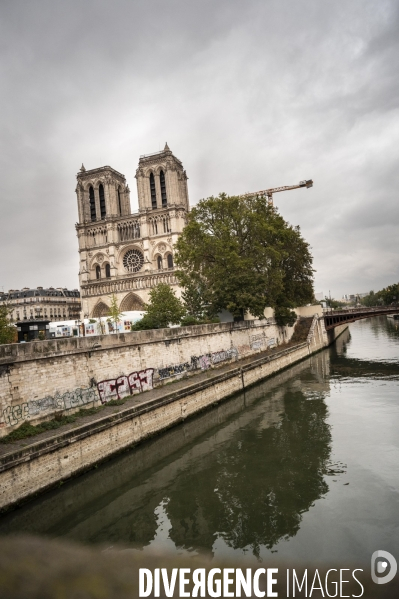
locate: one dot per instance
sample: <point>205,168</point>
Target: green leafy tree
<point>8,332</point>
<point>115,313</point>
<point>164,308</point>
<point>385,297</point>
<point>243,256</point>
<point>370,299</point>
<point>194,297</point>
<point>283,316</point>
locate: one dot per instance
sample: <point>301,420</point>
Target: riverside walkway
<point>107,414</point>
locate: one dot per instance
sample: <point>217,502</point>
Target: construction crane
<point>269,192</point>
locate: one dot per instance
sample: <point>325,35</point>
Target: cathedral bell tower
<point>161,181</point>
<point>125,253</point>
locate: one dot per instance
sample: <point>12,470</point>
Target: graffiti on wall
<point>135,382</point>
<point>271,342</point>
<point>13,415</point>
<point>111,389</point>
<point>257,341</point>
<point>197,362</point>
<point>169,371</point>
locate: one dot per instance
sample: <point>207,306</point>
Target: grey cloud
<point>248,94</point>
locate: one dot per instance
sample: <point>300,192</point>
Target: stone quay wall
<point>42,464</point>
<point>61,376</point>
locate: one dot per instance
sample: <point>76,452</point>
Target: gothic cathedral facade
<point>125,253</point>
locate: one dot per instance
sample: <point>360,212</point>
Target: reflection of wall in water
<point>339,347</point>
<point>118,501</point>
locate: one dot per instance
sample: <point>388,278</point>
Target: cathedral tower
<point>125,253</point>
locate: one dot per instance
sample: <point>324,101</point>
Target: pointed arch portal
<point>101,309</point>
<point>131,302</point>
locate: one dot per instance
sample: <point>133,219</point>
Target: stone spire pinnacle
<point>82,168</point>
<point>166,148</point>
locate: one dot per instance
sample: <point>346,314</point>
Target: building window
<point>133,260</point>
<point>159,260</point>
<point>119,202</point>
<point>102,201</point>
<point>92,204</point>
<point>98,272</point>
<point>153,192</point>
<point>166,228</point>
<point>107,270</point>
<point>170,261</point>
<point>163,189</point>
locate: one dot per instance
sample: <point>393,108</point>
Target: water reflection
<point>365,362</point>
<point>260,473</point>
<point>244,472</point>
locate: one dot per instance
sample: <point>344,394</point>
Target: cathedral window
<point>107,270</point>
<point>170,261</point>
<point>102,201</point>
<point>154,225</point>
<point>92,204</point>
<point>166,228</point>
<point>119,202</point>
<point>133,260</point>
<point>98,272</point>
<point>159,260</point>
<point>163,189</point>
<point>153,192</point>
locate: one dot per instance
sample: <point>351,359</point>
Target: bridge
<point>337,317</point>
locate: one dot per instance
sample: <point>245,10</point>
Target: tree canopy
<point>164,308</point>
<point>8,333</point>
<point>387,296</point>
<point>241,255</point>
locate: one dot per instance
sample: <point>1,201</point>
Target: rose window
<point>133,260</point>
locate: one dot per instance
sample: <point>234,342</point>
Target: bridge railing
<point>362,310</point>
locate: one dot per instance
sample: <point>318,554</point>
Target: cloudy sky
<point>248,94</point>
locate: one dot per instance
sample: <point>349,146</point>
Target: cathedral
<point>125,253</point>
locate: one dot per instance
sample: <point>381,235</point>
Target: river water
<point>302,466</point>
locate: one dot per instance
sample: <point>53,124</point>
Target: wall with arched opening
<point>100,309</point>
<point>131,302</point>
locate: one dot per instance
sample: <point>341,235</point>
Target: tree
<point>164,308</point>
<point>284,316</point>
<point>115,313</point>
<point>387,296</point>
<point>194,296</point>
<point>244,256</point>
<point>7,330</point>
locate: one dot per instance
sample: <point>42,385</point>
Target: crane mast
<point>269,192</point>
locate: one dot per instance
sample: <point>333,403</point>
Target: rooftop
<point>38,292</point>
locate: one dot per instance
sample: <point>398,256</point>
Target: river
<point>302,466</point>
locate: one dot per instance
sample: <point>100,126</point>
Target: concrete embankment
<point>34,465</point>
<point>39,380</point>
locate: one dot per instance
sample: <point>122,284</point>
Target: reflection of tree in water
<point>254,490</point>
<point>244,471</point>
